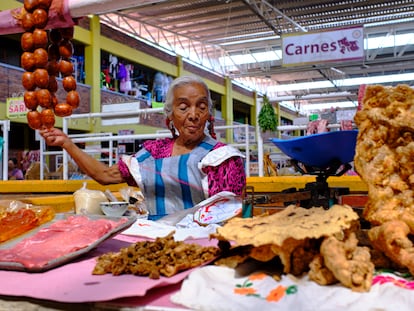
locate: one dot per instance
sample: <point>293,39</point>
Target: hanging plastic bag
<point>87,201</point>
<point>218,208</point>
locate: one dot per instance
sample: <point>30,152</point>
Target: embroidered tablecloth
<point>258,291</point>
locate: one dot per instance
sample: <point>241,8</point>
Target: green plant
<point>267,117</point>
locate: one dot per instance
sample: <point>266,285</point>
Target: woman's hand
<point>54,136</point>
<point>90,166</point>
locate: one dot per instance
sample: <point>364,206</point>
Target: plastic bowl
<point>114,209</point>
<point>320,150</point>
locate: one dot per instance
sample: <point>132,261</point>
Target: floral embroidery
<point>403,280</point>
<point>248,288</point>
<point>245,289</point>
<point>257,276</point>
<point>276,294</point>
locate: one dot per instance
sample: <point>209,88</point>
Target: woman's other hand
<point>54,136</point>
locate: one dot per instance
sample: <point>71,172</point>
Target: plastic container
<point>114,209</point>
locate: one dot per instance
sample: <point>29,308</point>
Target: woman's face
<point>190,111</point>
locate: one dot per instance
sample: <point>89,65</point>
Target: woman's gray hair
<point>180,81</point>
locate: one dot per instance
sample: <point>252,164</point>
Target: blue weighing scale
<point>324,154</point>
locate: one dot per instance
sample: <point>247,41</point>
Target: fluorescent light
<point>389,41</point>
<point>260,39</point>
<point>299,86</point>
<point>324,106</point>
<point>251,58</point>
<point>280,88</point>
<point>378,79</point>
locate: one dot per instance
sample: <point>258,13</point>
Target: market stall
<point>296,258</point>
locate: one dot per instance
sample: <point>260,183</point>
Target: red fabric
<point>361,94</point>
<point>346,125</point>
<point>318,126</point>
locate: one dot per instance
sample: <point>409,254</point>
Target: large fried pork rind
<point>384,159</point>
<point>293,222</point>
<point>288,233</point>
<point>385,151</point>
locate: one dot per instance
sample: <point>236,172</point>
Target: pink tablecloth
<point>74,282</point>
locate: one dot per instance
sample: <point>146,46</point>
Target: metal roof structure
<point>206,31</point>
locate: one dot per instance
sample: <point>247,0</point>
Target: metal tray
<point>15,266</point>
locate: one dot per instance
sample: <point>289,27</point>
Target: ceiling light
<point>401,77</point>
<point>281,88</point>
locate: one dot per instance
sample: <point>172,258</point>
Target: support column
<point>180,66</point>
<point>260,156</point>
<point>227,108</point>
<point>279,118</point>
<point>93,64</point>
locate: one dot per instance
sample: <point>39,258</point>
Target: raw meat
<point>59,239</point>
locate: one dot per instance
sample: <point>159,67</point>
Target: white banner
<point>16,107</point>
<point>317,47</point>
<point>132,107</point>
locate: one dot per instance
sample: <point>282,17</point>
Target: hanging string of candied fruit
<point>46,54</point>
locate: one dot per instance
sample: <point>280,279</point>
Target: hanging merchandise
<point>124,73</point>
<point>129,71</point>
<point>267,117</point>
<point>80,70</point>
<point>113,66</point>
<point>157,88</point>
<point>121,71</point>
<point>113,72</point>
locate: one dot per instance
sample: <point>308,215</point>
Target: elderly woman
<point>173,173</point>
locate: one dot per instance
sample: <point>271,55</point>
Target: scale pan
<point>320,150</point>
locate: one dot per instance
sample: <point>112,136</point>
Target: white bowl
<point>114,209</point>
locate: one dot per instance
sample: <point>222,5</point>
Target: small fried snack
<point>392,239</point>
<point>349,263</point>
<point>319,273</point>
<point>162,257</point>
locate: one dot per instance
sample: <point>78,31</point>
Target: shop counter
<point>280,183</point>
<point>55,193</point>
<point>59,193</point>
<point>261,184</point>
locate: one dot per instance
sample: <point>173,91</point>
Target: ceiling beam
<point>270,15</point>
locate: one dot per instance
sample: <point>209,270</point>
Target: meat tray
<point>15,266</point>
